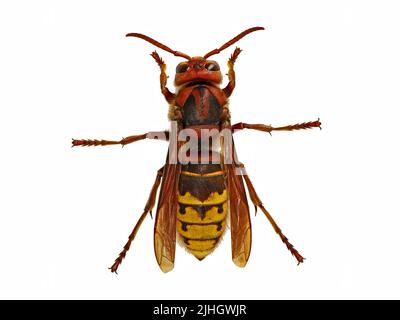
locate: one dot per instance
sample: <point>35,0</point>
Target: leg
<point>267,128</point>
<point>231,73</point>
<point>257,203</point>
<point>162,135</point>
<point>169,96</point>
<point>149,206</point>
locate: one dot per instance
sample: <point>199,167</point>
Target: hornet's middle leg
<point>161,135</point>
<point>269,129</point>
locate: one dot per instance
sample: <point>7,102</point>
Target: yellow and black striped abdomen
<point>203,207</point>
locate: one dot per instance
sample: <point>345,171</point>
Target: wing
<point>239,215</point>
<point>165,224</point>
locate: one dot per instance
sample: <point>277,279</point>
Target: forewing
<point>165,224</point>
<point>239,216</point>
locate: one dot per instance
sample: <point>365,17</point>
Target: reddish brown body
<point>199,195</point>
<point>202,191</point>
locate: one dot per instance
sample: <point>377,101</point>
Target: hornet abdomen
<point>203,207</point>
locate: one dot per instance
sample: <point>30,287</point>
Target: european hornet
<point>202,182</point>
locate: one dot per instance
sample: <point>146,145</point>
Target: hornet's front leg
<point>269,129</point>
<point>231,73</point>
<point>169,96</point>
<point>161,135</point>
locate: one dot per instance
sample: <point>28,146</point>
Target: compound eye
<point>212,66</point>
<point>182,67</point>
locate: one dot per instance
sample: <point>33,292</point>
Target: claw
<point>76,143</point>
<point>319,124</point>
<point>114,267</point>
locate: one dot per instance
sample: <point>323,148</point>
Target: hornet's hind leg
<point>149,206</point>
<point>257,203</point>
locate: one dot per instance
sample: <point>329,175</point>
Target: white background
<point>67,71</point>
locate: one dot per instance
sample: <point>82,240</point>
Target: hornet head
<point>199,68</point>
